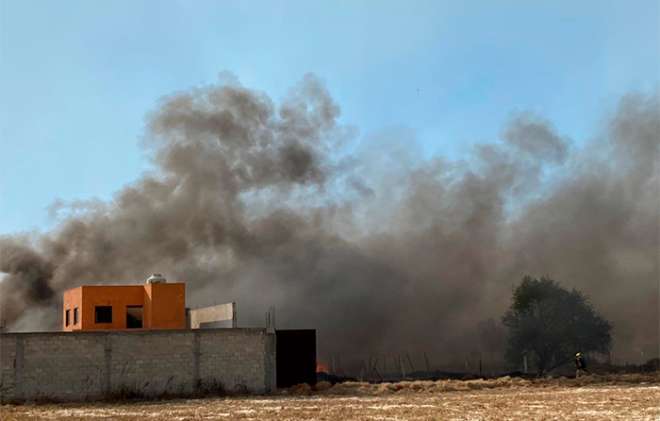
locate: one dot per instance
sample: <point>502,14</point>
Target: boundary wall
<point>76,366</point>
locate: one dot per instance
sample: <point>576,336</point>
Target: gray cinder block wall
<point>74,366</point>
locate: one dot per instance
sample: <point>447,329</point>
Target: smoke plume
<point>380,249</point>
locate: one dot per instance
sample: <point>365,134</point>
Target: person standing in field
<point>580,365</point>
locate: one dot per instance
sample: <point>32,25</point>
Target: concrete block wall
<point>73,366</point>
<point>152,363</point>
<point>8,362</point>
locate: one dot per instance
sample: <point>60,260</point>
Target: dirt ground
<point>502,399</point>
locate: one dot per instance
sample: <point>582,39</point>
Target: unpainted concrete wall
<point>221,315</point>
<point>75,366</point>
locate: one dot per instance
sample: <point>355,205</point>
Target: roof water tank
<point>156,278</point>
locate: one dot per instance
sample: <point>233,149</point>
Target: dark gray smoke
<point>382,250</point>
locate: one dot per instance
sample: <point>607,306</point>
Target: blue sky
<point>78,77</point>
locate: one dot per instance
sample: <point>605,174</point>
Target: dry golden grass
<point>589,398</point>
<point>357,388</point>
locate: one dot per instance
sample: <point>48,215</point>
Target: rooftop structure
<point>157,304</point>
<point>213,317</point>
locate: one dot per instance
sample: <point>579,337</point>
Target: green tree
<point>550,324</point>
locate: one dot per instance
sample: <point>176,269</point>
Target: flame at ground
<point>321,368</point>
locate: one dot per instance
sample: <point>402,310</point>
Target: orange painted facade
<point>118,307</point>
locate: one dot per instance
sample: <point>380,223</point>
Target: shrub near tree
<point>550,324</point>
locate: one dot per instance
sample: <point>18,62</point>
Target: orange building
<point>156,304</point>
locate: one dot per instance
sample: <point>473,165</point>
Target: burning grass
<point>629,397</point>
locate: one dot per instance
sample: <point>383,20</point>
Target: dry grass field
<point>592,398</point>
